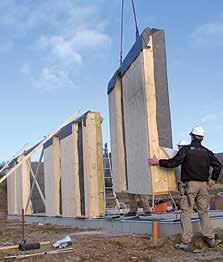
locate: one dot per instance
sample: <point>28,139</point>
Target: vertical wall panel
<point>69,175</point>
<point>22,176</point>
<point>52,177</point>
<point>117,138</point>
<point>11,194</point>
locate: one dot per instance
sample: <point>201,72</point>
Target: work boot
<point>187,247</point>
<point>211,242</point>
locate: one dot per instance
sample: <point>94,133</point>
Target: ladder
<point>112,204</point>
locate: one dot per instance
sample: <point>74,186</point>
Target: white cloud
<point>208,34</point>
<point>59,35</point>
<point>69,50</point>
<point>88,38</point>
<point>60,48</point>
<point>53,79</point>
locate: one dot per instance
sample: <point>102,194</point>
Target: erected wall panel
<point>117,138</point>
<point>69,176</point>
<point>52,178</point>
<point>22,176</point>
<point>11,194</point>
<point>90,167</point>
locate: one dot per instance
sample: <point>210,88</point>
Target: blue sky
<point>58,56</point>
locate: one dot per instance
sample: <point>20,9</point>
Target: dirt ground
<point>101,246</point>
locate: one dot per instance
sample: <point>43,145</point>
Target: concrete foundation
<point>167,228</point>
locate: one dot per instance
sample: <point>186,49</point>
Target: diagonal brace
<point>35,182</point>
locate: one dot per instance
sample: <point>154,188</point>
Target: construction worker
<point>181,143</point>
<point>195,161</point>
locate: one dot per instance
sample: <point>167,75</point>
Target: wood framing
<point>145,114</point>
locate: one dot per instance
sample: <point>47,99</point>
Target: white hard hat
<point>182,143</point>
<point>198,131</point>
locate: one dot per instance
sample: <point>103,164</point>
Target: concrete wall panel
<point>136,135</point>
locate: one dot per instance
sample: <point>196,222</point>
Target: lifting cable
<point>122,26</point>
<point>135,19</point>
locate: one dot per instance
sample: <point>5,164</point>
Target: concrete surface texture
<point>121,226</point>
<point>140,115</point>
<point>117,137</point>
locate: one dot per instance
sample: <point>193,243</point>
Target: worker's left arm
<point>216,165</point>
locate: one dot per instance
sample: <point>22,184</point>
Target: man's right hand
<point>153,161</point>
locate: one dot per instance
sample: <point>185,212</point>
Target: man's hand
<point>211,183</point>
<point>153,161</point>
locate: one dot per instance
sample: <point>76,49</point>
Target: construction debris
<point>94,246</point>
<point>63,243</point>
<point>23,246</point>
<point>51,252</point>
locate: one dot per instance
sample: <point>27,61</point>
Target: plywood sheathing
<point>93,179</point>
<point>70,191</point>
<point>52,177</point>
<point>117,137</point>
<point>22,177</point>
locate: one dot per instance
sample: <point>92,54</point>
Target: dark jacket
<point>195,161</point>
